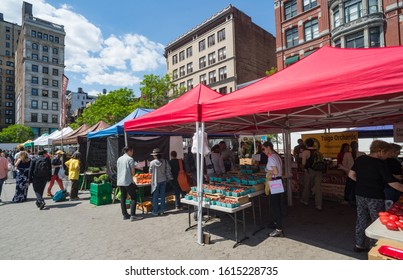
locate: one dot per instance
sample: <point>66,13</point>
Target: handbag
<point>61,173</point>
<point>276,186</point>
<point>182,178</point>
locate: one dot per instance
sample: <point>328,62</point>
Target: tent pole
<point>287,161</point>
<point>125,138</point>
<point>199,185</point>
<point>200,190</point>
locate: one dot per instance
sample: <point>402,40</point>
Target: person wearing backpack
<point>312,161</point>
<point>40,172</point>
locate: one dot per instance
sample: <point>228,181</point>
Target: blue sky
<point>113,46</point>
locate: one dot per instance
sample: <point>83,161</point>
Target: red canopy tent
<point>330,88</point>
<point>178,116</point>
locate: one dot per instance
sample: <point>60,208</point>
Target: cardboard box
<point>373,254</point>
<point>245,161</point>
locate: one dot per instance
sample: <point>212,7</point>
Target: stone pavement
<point>79,230</point>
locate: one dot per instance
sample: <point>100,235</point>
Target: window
<point>189,67</point>
<point>211,40</point>
<point>55,61</point>
<point>51,38</point>
<point>9,63</point>
<point>9,79</point>
<point>374,37</point>
<point>290,9</point>
<point>221,35</point>
<point>44,105</point>
<point>34,92</point>
<point>292,37</point>
<point>9,104</point>
<point>222,54</point>
<point>34,104</point>
<point>34,46</point>
<point>45,49</point>
<point>182,71</point>
<point>223,90</point>
<point>45,70</point>
<point>8,53</point>
<point>57,39</point>
<point>203,79</point>
<point>202,45</point>
<point>45,93</point>
<point>7,43</point>
<point>33,33</point>
<point>355,40</point>
<point>8,29</point>
<point>45,82</point>
<point>188,52</point>
<point>189,84</point>
<point>54,106</point>
<point>352,10</point>
<point>336,18</point>
<point>34,117</point>
<point>9,112</point>
<point>45,58</point>
<point>34,80</point>
<point>34,68</point>
<point>337,43</point>
<point>9,72</point>
<point>9,121</point>
<point>222,73</point>
<point>55,72</point>
<point>311,30</point>
<point>54,119</point>
<point>372,6</point>
<point>309,4</point>
<point>174,59</point>
<point>211,58</point>
<point>55,51</point>
<point>202,62</point>
<point>45,36</point>
<point>44,118</point>
<point>181,55</point>
<point>211,77</point>
<point>9,96</point>
<point>55,83</point>
<point>39,35</point>
<point>175,74</point>
<point>35,56</point>
<point>55,94</point>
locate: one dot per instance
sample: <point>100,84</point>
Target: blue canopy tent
<point>374,131</point>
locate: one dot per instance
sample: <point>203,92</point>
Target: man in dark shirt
<point>395,168</point>
<point>174,163</point>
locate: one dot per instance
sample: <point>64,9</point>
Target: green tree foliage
<point>155,89</point>
<point>271,71</point>
<point>111,108</point>
<point>16,133</point>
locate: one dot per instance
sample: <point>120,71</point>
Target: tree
<point>111,108</point>
<point>155,90</point>
<point>16,133</point>
<point>271,71</point>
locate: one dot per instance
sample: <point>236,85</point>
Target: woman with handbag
<point>274,170</point>
<point>57,165</point>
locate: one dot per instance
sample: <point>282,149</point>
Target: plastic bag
<point>61,173</point>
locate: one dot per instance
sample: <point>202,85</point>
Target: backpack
<point>318,162</point>
<point>60,195</point>
<point>42,168</point>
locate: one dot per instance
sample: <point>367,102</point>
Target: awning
<point>291,60</point>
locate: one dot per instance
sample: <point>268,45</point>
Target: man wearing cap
<point>160,175</point>
<point>56,165</point>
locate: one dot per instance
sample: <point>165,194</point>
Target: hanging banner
<point>65,82</point>
<point>398,132</point>
<point>329,144</point>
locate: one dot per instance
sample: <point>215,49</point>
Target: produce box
<point>245,161</point>
<point>373,254</point>
<point>101,199</point>
<point>145,206</point>
<point>258,187</point>
<point>99,189</point>
<point>241,199</point>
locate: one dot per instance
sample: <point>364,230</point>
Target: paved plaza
<point>79,230</point>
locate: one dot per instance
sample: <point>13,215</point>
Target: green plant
<point>103,177</point>
<point>96,180</point>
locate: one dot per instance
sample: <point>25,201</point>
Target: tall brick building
<point>224,51</point>
<point>302,26</point>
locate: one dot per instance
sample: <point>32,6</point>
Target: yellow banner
<point>329,144</point>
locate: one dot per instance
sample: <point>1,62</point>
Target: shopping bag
<point>276,186</point>
<point>266,184</point>
<point>61,173</point>
<point>183,178</point>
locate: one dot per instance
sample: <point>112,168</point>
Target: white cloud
<point>115,61</point>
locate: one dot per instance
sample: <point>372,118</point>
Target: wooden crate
<point>241,199</point>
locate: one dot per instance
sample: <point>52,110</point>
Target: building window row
<point>44,36</point>
<point>35,46</point>
<point>291,8</point>
<point>357,39</point>
<point>311,31</point>
<point>45,105</point>
<point>45,81</point>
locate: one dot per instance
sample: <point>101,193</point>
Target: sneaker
<point>163,214</point>
<point>303,202</point>
<point>42,206</point>
<point>1,200</point>
<point>49,195</point>
<point>74,198</point>
<point>319,208</point>
<point>135,218</point>
<point>126,217</point>
<point>276,233</point>
<point>154,214</point>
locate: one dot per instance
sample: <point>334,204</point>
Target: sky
<point>114,46</point>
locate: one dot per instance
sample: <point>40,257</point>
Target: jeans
<point>178,193</point>
<point>159,194</point>
<point>39,187</point>
<point>131,190</point>
<point>1,186</point>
